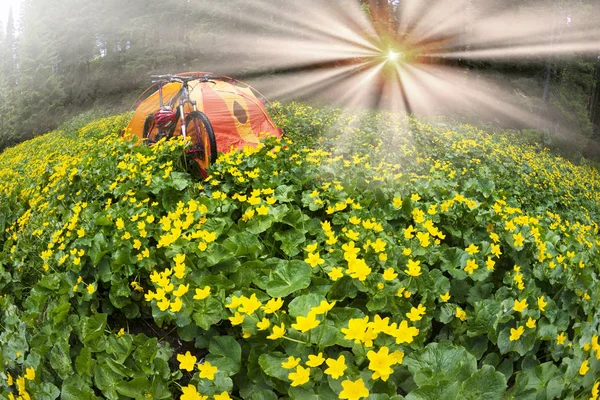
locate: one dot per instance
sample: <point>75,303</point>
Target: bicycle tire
<point>149,128</point>
<point>204,145</point>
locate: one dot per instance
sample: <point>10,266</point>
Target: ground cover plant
<point>362,256</point>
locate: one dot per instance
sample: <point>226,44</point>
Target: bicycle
<point>193,124</point>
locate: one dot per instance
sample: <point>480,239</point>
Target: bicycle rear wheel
<point>150,132</point>
<point>204,145</point>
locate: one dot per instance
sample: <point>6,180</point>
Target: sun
<point>392,56</point>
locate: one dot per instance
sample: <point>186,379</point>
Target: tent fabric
<point>237,115</point>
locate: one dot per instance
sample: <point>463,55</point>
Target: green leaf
<point>301,305</point>
<point>264,395</point>
<point>136,388</point>
<point>84,363</point>
<point>441,391</point>
<point>289,277</point>
<point>60,360</point>
<point>284,193</point>
<point>210,313</point>
<point>325,393</point>
<point>75,388</point>
<point>485,384</point>
<point>102,220</point>
<point>226,354</point>
<point>46,391</point>
<point>291,241</point>
<point>546,380</point>
<point>92,327</point>
<point>486,316</point>
<point>243,244</point>
<point>439,362</point>
<point>271,365</point>
<point>179,180</point>
<point>521,346</point>
<point>107,381</point>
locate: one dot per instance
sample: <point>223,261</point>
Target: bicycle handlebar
<point>174,78</point>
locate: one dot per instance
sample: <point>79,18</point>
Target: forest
<point>414,216</point>
<point>99,57</point>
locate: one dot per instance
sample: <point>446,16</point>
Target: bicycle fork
<point>183,124</point>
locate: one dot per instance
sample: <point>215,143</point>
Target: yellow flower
<point>311,248</point>
<point>595,391</point>
<point>305,324</point>
<point>378,246</point>
<point>358,269</point>
<point>354,220</point>
<point>416,314</point>
<point>91,288</point>
<point>314,259</point>
<point>336,273</point>
<point>515,334</point>
<point>490,264</point>
<point>202,294</point>
<point>272,305</point>
<point>181,290</point>
<point>406,251</point>
<point>472,249</point>
<point>222,396</point>
<point>530,323</point>
<point>560,339</point>
<point>389,274</point>
<point>398,356</point>
<point>336,367</point>
<point>300,376</point>
<point>404,333</point>
<point>381,363</point>
<point>323,307</point>
<point>30,374</point>
<point>175,306</point>
<point>415,197</point>
<point>186,361</point>
<point>584,368</point>
<point>471,266</point>
<point>164,304</point>
<point>263,325</point>
<point>263,210</point>
<point>445,297</point>
<point>237,319</point>
<point>520,305</point>
<point>315,361</point>
<point>119,223</point>
<point>207,370</point>
<point>291,362</point>
<point>190,393</point>
<point>397,202</point>
<point>461,314</point>
<point>354,390</point>
<point>249,305</point>
<point>518,239</point>
<point>541,303</point>
<point>278,332</point>
<point>413,268</point>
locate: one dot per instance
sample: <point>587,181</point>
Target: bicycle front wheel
<point>201,134</point>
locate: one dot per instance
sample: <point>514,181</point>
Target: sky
<point>5,6</point>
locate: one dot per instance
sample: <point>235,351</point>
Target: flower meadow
<point>362,256</point>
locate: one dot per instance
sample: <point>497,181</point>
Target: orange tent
<point>236,110</point>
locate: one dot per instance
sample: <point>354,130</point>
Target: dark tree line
<point>68,56</point>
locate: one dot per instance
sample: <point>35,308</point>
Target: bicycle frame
<point>184,98</point>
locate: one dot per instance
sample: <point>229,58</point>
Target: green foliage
<point>363,250</point>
